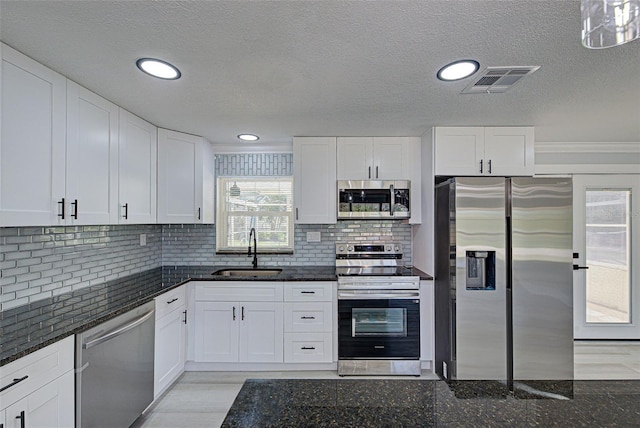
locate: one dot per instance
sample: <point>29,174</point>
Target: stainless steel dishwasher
<point>114,369</point>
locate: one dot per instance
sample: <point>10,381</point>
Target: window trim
<point>222,215</point>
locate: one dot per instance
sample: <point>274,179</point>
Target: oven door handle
<point>390,295</point>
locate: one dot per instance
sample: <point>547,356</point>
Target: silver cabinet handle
<point>133,324</point>
<point>296,213</point>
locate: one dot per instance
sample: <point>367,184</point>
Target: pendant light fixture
<point>608,23</point>
<point>234,190</point>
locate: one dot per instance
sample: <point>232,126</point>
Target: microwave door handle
<point>393,200</point>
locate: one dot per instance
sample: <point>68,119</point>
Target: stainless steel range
<point>378,311</point>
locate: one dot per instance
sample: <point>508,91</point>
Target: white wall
<point>423,234</point>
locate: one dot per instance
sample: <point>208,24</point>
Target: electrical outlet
<point>143,239</point>
<point>313,236</point>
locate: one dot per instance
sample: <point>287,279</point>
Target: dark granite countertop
<point>30,327</point>
<point>349,403</point>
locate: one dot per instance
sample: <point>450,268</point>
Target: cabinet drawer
<point>37,369</point>
<point>170,301</point>
<point>308,291</point>
<point>307,348</point>
<point>312,317</point>
<point>234,291</point>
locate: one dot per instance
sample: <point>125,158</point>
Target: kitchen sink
<point>248,272</point>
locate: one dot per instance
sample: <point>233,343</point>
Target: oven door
<point>379,327</point>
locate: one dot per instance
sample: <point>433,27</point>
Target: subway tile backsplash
<point>254,164</point>
<point>40,262</point>
<point>194,244</point>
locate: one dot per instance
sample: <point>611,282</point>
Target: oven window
<point>389,322</point>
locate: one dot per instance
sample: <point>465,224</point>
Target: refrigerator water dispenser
<point>481,270</point>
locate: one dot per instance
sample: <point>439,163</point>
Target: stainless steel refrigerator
<point>503,285</point>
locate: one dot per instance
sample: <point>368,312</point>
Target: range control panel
<point>369,250</point>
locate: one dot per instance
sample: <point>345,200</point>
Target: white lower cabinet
<point>171,339</point>
<point>308,322</point>
<point>50,406</point>
<point>308,347</point>
<point>231,330</point>
<point>40,389</point>
<point>263,322</point>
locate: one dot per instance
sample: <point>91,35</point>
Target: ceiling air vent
<point>495,80</point>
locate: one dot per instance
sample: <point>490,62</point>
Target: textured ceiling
<point>336,68</point>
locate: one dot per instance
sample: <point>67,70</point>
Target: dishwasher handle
<point>117,332</point>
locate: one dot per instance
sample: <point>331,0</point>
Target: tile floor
<point>202,399</point>
<point>606,360</point>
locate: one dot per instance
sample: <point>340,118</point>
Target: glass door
<point>607,242</point>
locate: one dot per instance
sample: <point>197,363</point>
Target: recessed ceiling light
<point>458,70</point>
<point>158,68</point>
<point>248,137</point>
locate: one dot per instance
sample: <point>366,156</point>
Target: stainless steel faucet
<point>255,248</point>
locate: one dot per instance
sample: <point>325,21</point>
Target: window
<point>265,204</point>
<point>608,255</point>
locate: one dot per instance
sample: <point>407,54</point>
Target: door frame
<point>582,329</point>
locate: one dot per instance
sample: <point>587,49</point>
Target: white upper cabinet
<point>185,178</point>
<point>355,158</point>
<point>92,153</point>
<point>137,155</point>
<point>509,150</point>
<point>472,151</point>
<point>383,158</point>
<point>314,180</point>
<point>32,142</point>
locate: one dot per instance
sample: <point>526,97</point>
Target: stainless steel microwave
<point>374,199</point>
